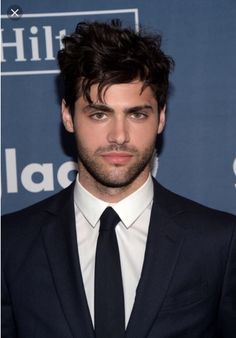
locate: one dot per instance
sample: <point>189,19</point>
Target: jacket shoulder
<point>189,212</point>
<point>21,227</point>
<point>49,204</point>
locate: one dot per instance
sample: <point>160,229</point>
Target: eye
<point>139,115</point>
<point>98,116</point>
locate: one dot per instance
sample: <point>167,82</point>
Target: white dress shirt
<point>131,232</point>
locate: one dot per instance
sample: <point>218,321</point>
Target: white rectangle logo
<point>29,45</point>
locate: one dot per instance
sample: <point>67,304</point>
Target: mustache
<point>116,147</point>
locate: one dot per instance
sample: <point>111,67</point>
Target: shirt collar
<point>128,209</point>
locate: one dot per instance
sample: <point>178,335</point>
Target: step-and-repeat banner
<point>198,153</point>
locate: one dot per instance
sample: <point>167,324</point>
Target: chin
<point>116,181</point>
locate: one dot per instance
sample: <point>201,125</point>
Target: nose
<point>118,132</point>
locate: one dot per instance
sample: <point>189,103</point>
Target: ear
<point>66,117</point>
<point>162,120</point>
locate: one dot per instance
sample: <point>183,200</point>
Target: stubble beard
<point>115,176</point>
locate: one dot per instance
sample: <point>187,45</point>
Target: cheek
<point>89,138</point>
<point>145,136</point>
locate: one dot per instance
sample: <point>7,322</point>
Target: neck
<point>111,194</point>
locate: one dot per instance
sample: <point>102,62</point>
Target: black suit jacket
<point>187,287</point>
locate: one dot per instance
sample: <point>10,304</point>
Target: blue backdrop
<point>198,157</point>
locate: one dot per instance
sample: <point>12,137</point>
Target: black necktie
<point>109,298</point>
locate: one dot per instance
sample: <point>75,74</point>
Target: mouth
<point>118,158</point>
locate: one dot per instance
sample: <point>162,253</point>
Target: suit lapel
<point>61,247</point>
<point>164,243</point>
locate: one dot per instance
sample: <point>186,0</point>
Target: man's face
<point>116,138</point>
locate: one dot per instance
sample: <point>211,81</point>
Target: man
<point>166,267</point>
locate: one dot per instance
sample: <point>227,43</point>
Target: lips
<point>120,158</point>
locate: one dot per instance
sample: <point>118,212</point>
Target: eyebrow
<point>94,106</point>
<point>138,108</point>
<point>105,108</point>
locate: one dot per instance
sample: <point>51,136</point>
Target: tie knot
<point>109,219</point>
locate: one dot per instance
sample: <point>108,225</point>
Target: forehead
<point>126,93</point>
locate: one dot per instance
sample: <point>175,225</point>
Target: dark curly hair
<point>107,54</point>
